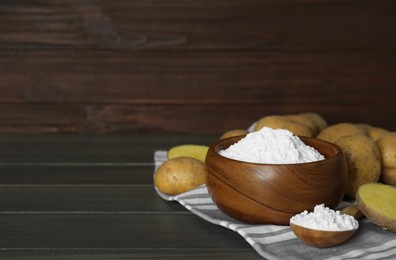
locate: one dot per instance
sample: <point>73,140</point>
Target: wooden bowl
<point>272,193</point>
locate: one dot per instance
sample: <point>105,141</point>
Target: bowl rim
<point>217,146</point>
<point>322,230</point>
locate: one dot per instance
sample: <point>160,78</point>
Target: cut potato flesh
<point>189,150</point>
<point>378,203</point>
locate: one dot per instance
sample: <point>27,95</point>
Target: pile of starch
<point>324,218</point>
<point>272,146</point>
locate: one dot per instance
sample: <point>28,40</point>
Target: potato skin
<point>334,132</point>
<point>317,120</point>
<point>387,146</point>
<point>272,121</point>
<point>234,132</point>
<point>372,131</point>
<point>364,163</point>
<point>388,176</point>
<point>299,118</point>
<point>283,122</point>
<point>376,132</point>
<point>179,175</point>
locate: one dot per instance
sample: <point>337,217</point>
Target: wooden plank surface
<point>127,253</point>
<point>114,230</point>
<point>75,214</point>
<point>85,199</point>
<point>76,173</point>
<point>70,150</point>
<point>102,67</point>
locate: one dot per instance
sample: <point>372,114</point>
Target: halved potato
<point>189,150</point>
<point>377,202</point>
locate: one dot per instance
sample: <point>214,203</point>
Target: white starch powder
<point>272,146</point>
<point>324,218</point>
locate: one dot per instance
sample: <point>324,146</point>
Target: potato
<point>334,132</point>
<point>234,132</point>
<point>316,119</point>
<point>179,175</point>
<point>299,129</point>
<point>377,202</point>
<point>372,131</point>
<point>273,121</point>
<point>305,121</point>
<point>387,147</point>
<point>189,150</point>
<point>376,132</point>
<point>364,127</point>
<point>363,158</point>
<point>282,122</point>
<point>388,176</point>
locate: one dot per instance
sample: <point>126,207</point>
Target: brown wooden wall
<point>193,66</point>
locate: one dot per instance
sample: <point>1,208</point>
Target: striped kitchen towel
<point>279,242</point>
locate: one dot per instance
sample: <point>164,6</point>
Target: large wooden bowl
<point>273,193</point>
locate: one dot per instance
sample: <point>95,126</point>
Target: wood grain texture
<point>322,238</point>
<point>94,151</point>
<point>77,215</point>
<point>128,253</point>
<point>207,25</point>
<point>104,67</point>
<point>85,199</point>
<point>112,230</point>
<point>76,173</point>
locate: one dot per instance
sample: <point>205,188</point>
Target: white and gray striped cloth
<point>279,242</point>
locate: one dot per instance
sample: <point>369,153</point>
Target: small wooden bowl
<point>321,238</point>
<point>273,193</point>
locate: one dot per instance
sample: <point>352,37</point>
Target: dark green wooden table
<point>92,197</point>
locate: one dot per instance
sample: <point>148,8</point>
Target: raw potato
<point>334,132</point>
<point>387,147</point>
<point>305,121</point>
<point>364,127</point>
<point>234,132</point>
<point>377,202</point>
<point>299,129</point>
<point>372,131</point>
<point>317,120</point>
<point>283,122</point>
<point>189,150</point>
<point>179,175</point>
<point>388,176</point>
<point>376,132</point>
<point>364,163</point>
<point>273,121</point>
